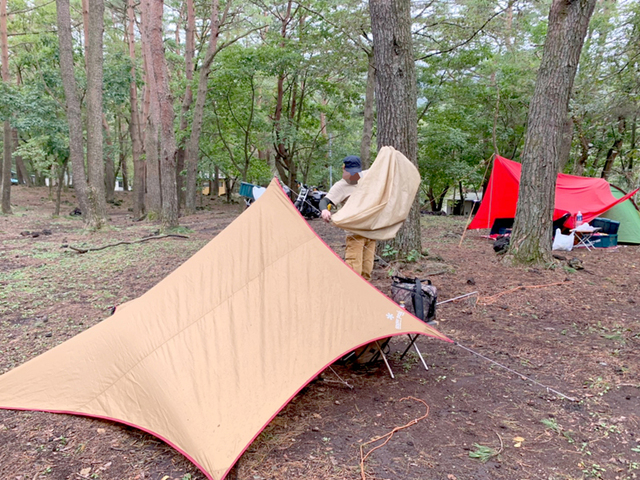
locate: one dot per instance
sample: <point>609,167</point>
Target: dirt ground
<point>575,331</point>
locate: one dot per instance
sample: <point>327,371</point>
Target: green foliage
<point>413,256</point>
<point>483,453</point>
<point>551,423</point>
<point>388,251</point>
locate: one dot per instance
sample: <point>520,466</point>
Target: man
<point>360,250</point>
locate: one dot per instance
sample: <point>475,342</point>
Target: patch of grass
<point>179,231</point>
<point>551,423</point>
<point>593,471</point>
<point>483,453</point>
<point>599,384</point>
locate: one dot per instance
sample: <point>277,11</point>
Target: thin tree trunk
<point>74,115</point>
<point>165,100</point>
<point>95,161</point>
<point>191,159</point>
<point>283,155</point>
<point>632,147</point>
<point>6,137</point>
<point>613,152</point>
<point>567,26</point>
<point>369,97</point>
<point>21,169</point>
<point>134,124</point>
<point>216,181</point>
<point>63,170</point>
<point>109,163</point>
<point>122,160</point>
<point>188,97</point>
<point>6,168</point>
<point>578,166</point>
<point>152,167</point>
<point>396,97</point>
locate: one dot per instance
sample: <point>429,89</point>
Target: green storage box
<point>604,241</point>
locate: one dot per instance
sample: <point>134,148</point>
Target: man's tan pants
<point>359,254</point>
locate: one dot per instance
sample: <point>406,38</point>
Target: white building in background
<point>120,185</point>
<point>450,204</point>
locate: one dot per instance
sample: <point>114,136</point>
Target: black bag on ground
<point>418,296</point>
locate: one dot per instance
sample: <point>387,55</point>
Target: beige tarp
<point>208,356</point>
<point>383,198</point>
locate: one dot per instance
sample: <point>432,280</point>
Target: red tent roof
<point>590,196</point>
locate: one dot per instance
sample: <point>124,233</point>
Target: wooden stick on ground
<point>155,237</point>
<point>363,457</point>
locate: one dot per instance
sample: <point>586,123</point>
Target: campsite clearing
<point>579,335</point>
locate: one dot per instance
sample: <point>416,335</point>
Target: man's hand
<point>326,215</point>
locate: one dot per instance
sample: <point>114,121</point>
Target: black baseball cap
<point>352,164</point>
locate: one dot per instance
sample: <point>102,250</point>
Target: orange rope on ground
<point>389,435</point>
<point>493,298</point>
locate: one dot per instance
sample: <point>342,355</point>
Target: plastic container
<point>606,225</point>
<point>246,189</point>
<point>579,219</point>
<point>604,241</point>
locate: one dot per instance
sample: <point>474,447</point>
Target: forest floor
<point>577,333</point>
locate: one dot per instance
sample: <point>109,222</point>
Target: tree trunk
<point>122,155</point>
<point>109,164</point>
<point>95,160</point>
<point>63,170</point>
<point>6,168</point>
<point>216,181</point>
<point>6,137</point>
<point>578,166</point>
<point>567,26</point>
<point>134,124</point>
<point>152,167</point>
<point>283,156</point>
<point>169,211</point>
<point>191,159</point>
<point>188,97</point>
<point>21,169</point>
<point>396,97</point>
<point>367,129</point>
<point>613,152</point>
<point>632,146</point>
<point>74,115</point>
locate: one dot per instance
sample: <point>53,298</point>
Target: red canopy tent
<point>590,196</point>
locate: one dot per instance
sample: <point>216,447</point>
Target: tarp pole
<point>384,357</point>
<point>415,345</point>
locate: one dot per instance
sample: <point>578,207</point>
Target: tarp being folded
<point>590,196</point>
<point>206,358</point>
<point>382,201</point>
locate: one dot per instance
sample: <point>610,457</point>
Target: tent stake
<point>457,298</point>
<point>384,357</point>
